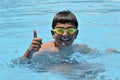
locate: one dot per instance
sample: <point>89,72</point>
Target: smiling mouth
<point>65,40</point>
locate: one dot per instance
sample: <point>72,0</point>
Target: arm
<point>28,54</point>
<point>85,49</point>
<point>110,50</point>
<point>34,47</point>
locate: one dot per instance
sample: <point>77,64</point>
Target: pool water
<point>99,28</point>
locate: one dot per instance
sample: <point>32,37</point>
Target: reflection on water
<point>99,28</point>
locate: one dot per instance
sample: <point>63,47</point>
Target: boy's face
<point>64,34</point>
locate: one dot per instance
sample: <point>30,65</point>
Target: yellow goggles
<point>60,30</point>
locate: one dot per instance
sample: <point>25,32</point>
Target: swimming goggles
<point>60,30</point>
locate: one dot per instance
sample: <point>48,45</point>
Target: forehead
<point>64,25</point>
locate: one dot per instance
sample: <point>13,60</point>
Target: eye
<point>71,30</point>
<point>59,30</point>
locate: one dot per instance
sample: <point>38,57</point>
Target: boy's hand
<point>36,42</point>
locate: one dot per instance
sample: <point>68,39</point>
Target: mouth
<point>65,40</point>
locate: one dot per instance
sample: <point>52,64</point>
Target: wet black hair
<point>65,17</point>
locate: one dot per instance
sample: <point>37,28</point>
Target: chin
<point>66,44</point>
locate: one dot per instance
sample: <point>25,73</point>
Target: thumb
<point>35,34</point>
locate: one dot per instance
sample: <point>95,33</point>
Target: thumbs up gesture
<point>36,42</point>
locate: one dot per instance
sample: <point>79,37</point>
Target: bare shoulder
<point>83,48</point>
<point>48,47</point>
<point>80,46</point>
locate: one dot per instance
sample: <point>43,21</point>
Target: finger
<point>36,49</point>
<point>35,46</point>
<point>37,40</point>
<point>35,34</point>
<point>36,43</point>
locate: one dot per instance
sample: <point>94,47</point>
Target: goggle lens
<point>61,30</point>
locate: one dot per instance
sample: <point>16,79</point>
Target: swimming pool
<point>99,28</point>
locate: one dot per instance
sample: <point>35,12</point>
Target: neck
<point>64,48</point>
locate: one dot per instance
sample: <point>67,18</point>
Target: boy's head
<point>65,17</point>
<point>64,28</point>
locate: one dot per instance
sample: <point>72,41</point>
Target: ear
<point>76,34</point>
<point>53,33</point>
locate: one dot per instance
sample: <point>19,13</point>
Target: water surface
<point>99,28</point>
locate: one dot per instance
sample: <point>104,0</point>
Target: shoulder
<point>82,48</point>
<point>48,44</point>
<point>46,49</point>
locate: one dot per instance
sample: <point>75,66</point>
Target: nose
<point>65,33</point>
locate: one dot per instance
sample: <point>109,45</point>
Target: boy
<point>64,32</point>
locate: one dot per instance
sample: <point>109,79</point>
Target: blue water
<point>99,25</point>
